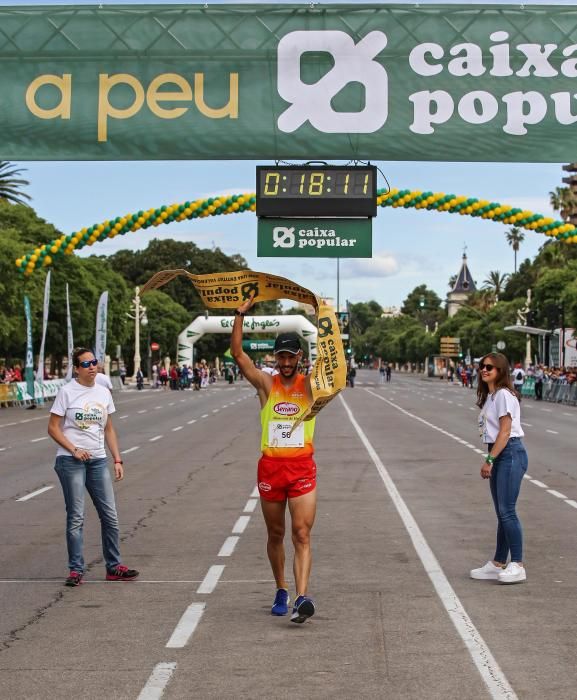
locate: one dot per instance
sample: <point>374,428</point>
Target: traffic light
<point>569,208</point>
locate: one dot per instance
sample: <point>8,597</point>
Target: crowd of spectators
<point>10,374</point>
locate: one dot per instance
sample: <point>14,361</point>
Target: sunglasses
<point>86,363</point>
<point>487,367</point>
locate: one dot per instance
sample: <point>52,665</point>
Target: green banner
<point>258,345</point>
<point>393,82</point>
<point>315,238</point>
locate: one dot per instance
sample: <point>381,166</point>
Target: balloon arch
<point>44,255</point>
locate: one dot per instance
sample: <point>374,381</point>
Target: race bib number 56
<point>279,434</point>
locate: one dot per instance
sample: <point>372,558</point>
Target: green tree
<point>563,200</point>
<point>11,185</point>
<point>363,315</point>
<point>495,282</point>
<point>424,305</point>
<point>514,238</point>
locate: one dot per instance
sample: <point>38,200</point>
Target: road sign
<point>450,346</point>
<point>154,346</point>
<point>315,238</point>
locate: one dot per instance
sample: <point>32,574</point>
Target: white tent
<point>272,325</point>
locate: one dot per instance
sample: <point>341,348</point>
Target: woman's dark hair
<point>76,354</point>
<point>498,360</point>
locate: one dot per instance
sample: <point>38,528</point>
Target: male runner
<point>286,470</point>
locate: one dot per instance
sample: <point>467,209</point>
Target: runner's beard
<point>292,371</point>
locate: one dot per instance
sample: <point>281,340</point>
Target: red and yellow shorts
<point>280,478</point>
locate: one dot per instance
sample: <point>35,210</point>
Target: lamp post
<point>139,315</point>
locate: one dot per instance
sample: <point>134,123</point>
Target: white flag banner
<point>40,370</point>
<point>69,335</point>
<point>101,325</point>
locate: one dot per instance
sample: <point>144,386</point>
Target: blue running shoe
<point>303,609</point>
<point>281,602</point>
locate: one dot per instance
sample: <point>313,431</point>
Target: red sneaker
<point>121,573</point>
<point>74,579</point>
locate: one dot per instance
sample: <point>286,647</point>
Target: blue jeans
<point>74,476</point>
<point>506,477</point>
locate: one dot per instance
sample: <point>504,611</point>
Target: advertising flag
<point>40,370</point>
<point>69,335</point>
<point>101,325</point>
<point>29,366</point>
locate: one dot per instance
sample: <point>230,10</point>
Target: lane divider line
<point>228,546</point>
<point>250,505</point>
<point>557,494</point>
<point>130,449</point>
<point>211,579</point>
<point>190,422</point>
<point>186,626</point>
<point>35,493</point>
<point>240,525</point>
<point>155,438</point>
<point>492,675</point>
<point>456,438</point>
<point>123,417</point>
<point>157,681</point>
<point>255,493</point>
<point>571,503</point>
<point>178,427</point>
<point>40,439</point>
<point>205,415</point>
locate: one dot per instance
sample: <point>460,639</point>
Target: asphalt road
<point>403,515</point>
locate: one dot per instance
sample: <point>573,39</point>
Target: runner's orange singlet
<point>277,416</point>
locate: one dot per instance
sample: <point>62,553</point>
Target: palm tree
<point>10,185</point>
<point>514,238</point>
<point>564,201</point>
<point>495,282</point>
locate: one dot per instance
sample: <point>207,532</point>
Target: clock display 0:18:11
<point>316,183</point>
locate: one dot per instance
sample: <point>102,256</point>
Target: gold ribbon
<point>228,290</point>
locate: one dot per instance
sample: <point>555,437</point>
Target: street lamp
<point>139,315</point>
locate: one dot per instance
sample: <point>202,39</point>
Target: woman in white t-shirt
<point>80,423</point>
<point>505,465</point>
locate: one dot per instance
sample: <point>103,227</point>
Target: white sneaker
<point>514,573</point>
<point>487,572</point>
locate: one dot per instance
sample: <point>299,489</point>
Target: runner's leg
<point>274,518</point>
<point>303,511</point>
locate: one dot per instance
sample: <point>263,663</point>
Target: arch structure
<point>252,324</point>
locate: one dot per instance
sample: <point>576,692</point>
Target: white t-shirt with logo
<point>497,405</point>
<point>518,376</point>
<point>85,410</point>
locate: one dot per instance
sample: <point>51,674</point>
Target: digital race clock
<point>327,190</point>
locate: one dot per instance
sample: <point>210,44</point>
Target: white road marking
<point>155,438</point>
<point>157,407</point>
<point>2,449</point>
<point>228,546</point>
<point>35,493</point>
<point>547,410</point>
<point>186,626</point>
<point>39,439</point>
<point>471,408</point>
<point>528,425</point>
<point>250,505</point>
<point>190,422</point>
<point>178,427</point>
<point>171,404</point>
<point>540,484</point>
<point>215,410</point>
<point>553,432</point>
<point>123,417</point>
<point>143,411</point>
<point>493,677</point>
<point>182,400</point>
<point>204,415</point>
<point>157,681</point>
<point>567,414</point>
<point>571,503</point>
<point>255,493</point>
<point>130,449</point>
<point>557,494</point>
<point>240,525</point>
<point>211,579</point>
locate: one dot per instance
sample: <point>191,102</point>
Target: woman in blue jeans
<point>80,423</point>
<point>505,465</point>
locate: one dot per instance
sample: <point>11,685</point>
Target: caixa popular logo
<point>353,63</point>
<point>285,408</point>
